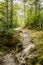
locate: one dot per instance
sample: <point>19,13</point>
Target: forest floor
<point>36,38</point>
<point>8,59</point>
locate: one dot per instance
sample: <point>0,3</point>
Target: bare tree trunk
<point>35,14</point>
<point>11,12</point>
<point>7,12</point>
<point>40,24</point>
<point>24,13</point>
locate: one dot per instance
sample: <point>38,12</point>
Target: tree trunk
<point>7,12</point>
<point>40,24</point>
<point>11,12</point>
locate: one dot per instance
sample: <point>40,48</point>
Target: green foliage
<point>35,61</point>
<point>40,59</point>
<point>7,25</point>
<point>1,53</point>
<point>37,38</point>
<point>34,14</point>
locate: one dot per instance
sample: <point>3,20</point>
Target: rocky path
<point>8,60</point>
<point>27,45</point>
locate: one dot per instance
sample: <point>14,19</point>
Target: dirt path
<point>8,59</point>
<point>27,45</point>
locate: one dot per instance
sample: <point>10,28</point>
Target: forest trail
<point>8,59</point>
<point>27,45</point>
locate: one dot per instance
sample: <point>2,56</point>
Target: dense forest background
<point>26,14</point>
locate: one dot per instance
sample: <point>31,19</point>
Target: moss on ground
<point>37,38</point>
